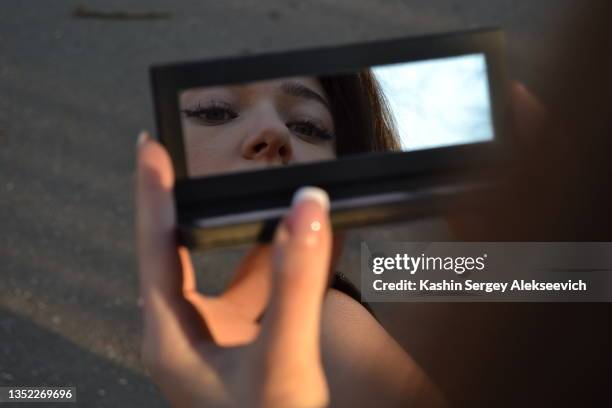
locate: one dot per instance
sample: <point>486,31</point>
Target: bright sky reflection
<point>438,102</point>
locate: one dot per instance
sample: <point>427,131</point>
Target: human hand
<point>528,113</point>
<point>527,119</point>
<point>205,351</point>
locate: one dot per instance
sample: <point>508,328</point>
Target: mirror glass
<point>397,107</point>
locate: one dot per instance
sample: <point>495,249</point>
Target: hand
<point>527,119</point>
<point>205,351</point>
<point>528,113</point>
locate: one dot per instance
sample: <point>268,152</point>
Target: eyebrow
<point>302,91</point>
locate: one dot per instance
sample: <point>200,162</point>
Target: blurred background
<point>74,93</point>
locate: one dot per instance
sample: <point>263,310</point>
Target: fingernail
<point>142,137</point>
<point>309,208</point>
<point>311,193</point>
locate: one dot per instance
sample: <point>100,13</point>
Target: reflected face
<point>256,125</point>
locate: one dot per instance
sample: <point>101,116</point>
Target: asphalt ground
<point>74,93</point>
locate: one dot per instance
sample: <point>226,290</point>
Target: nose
<point>269,141</point>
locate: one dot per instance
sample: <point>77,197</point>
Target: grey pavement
<point>74,93</point>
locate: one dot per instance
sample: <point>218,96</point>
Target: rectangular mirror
<point>397,107</point>
<point>244,132</point>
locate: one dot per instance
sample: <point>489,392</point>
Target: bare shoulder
<point>358,351</point>
<point>338,304</point>
<point>346,322</point>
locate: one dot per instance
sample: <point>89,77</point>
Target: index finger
<point>163,270</point>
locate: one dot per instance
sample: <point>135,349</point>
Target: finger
<point>528,116</point>
<point>291,328</point>
<point>250,287</point>
<point>168,317</point>
<point>529,113</point>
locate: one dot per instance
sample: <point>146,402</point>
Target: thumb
<point>529,114</point>
<point>290,332</point>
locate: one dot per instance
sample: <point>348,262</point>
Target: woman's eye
<point>310,132</point>
<point>303,129</point>
<point>212,115</point>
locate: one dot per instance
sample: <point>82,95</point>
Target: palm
<point>232,318</point>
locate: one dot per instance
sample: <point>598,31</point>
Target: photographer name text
<point>516,285</point>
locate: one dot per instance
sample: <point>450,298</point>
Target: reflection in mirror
<point>398,107</point>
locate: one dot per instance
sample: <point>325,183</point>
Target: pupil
<point>216,114</point>
<point>304,129</point>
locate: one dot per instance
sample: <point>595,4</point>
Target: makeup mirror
<point>408,106</point>
<point>392,130</point>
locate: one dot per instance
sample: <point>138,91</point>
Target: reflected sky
<point>438,102</point>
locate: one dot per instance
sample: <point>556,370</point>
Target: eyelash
<point>198,113</point>
<point>320,132</point>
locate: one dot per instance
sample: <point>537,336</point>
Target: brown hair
<point>361,114</point>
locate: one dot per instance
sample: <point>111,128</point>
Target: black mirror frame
<point>351,176</point>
